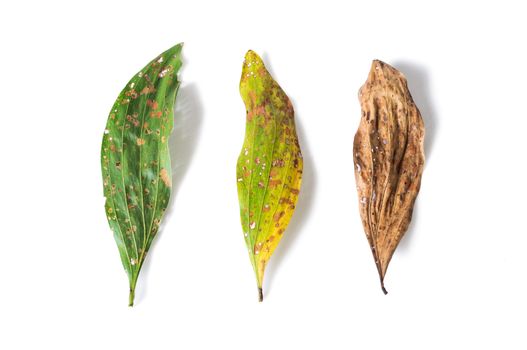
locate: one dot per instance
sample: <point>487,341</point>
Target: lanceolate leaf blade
<point>269,168</point>
<point>135,159</point>
<point>389,159</point>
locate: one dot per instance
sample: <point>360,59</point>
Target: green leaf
<point>269,168</point>
<point>135,159</point>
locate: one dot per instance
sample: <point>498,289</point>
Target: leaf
<point>269,168</point>
<point>389,159</point>
<point>135,159</point>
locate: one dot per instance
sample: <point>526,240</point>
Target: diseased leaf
<point>135,159</point>
<point>389,159</point>
<point>269,168</point>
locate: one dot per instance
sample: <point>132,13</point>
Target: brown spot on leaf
<point>152,104</point>
<point>274,183</point>
<point>278,216</point>
<point>252,96</point>
<point>163,174</point>
<point>132,93</point>
<point>284,200</point>
<point>278,163</point>
<point>257,111</point>
<point>148,89</point>
<point>156,114</point>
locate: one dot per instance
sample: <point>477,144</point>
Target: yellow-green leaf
<point>135,159</point>
<point>269,168</point>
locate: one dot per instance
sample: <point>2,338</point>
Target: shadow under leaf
<point>419,85</point>
<point>188,116</point>
<point>302,212</point>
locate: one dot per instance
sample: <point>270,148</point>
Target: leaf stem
<point>260,294</point>
<point>131,296</point>
<point>382,287</point>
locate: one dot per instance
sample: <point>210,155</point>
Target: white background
<point>457,281</point>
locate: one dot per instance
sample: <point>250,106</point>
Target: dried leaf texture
<point>269,168</point>
<point>389,159</point>
<point>135,159</point>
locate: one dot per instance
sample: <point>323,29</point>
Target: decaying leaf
<point>269,169</point>
<point>135,159</point>
<point>389,159</point>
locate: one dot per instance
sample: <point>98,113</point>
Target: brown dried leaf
<point>389,158</point>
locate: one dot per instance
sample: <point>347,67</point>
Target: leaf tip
<point>251,55</point>
<point>252,72</point>
<point>260,294</point>
<point>382,69</point>
<point>252,60</point>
